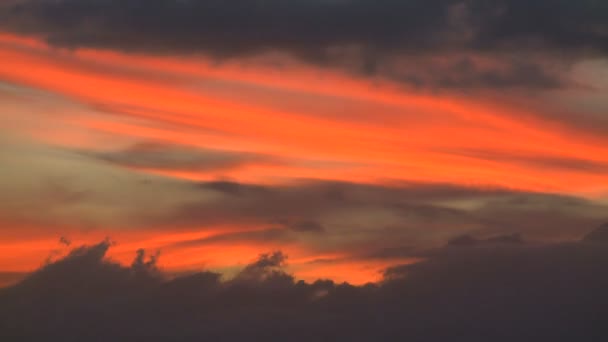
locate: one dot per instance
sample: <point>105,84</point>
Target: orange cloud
<point>322,124</point>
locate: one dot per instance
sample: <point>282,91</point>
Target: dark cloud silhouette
<point>249,26</point>
<point>365,36</point>
<point>65,241</point>
<point>10,278</point>
<point>598,235</point>
<point>268,266</point>
<point>479,292</point>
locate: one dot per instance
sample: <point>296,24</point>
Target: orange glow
<point>318,124</point>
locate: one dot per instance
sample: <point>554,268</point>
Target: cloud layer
<point>217,130</point>
<point>499,44</point>
<point>495,290</point>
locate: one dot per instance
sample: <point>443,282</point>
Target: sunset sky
<point>351,135</point>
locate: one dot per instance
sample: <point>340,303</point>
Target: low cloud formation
<point>471,292</point>
<point>475,43</point>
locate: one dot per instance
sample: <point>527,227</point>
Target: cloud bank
<point>489,291</point>
<point>474,43</point>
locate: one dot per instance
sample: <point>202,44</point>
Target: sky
<point>353,136</point>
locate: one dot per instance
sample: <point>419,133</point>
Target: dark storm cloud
<point>159,156</point>
<point>308,27</point>
<point>498,292</point>
<point>365,36</point>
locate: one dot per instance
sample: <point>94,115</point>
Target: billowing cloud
<point>462,293</point>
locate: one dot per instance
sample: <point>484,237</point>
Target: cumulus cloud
<point>364,36</point>
<point>477,292</point>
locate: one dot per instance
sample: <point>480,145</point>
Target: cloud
<point>266,267</point>
<point>367,37</point>
<point>547,162</point>
<point>372,217</point>
<point>10,278</point>
<point>307,226</point>
<point>598,235</point>
<point>55,188</point>
<point>461,293</point>
<point>468,240</point>
<point>246,26</point>
<point>168,157</point>
<point>65,192</point>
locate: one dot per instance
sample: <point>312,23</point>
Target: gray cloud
<point>598,235</point>
<point>10,278</point>
<point>159,156</point>
<point>307,226</point>
<point>373,216</point>
<point>360,35</point>
<point>501,292</point>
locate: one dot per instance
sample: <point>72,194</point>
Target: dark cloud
<point>468,240</point>
<point>481,292</point>
<point>267,266</point>
<point>159,156</point>
<point>365,36</point>
<point>377,217</point>
<point>598,235</point>
<point>250,26</point>
<point>307,226</point>
<point>65,241</point>
<point>10,278</point>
